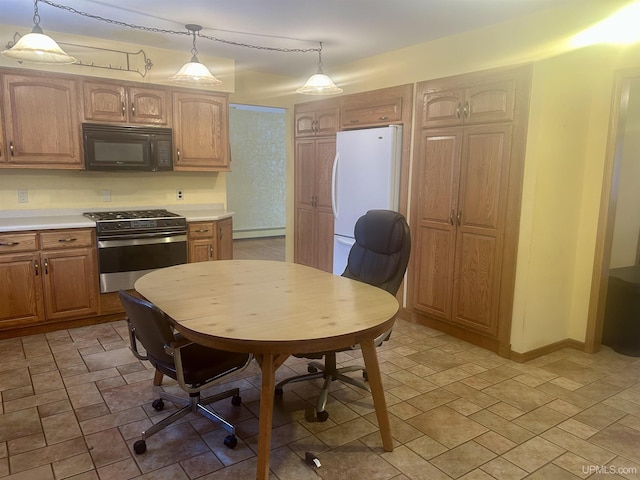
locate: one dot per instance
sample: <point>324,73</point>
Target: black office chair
<point>379,257</point>
<point>194,366</point>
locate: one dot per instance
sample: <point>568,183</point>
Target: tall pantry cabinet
<point>467,178</point>
<point>316,124</point>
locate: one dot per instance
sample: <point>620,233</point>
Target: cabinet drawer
<point>66,239</point>
<point>18,242</point>
<point>201,230</point>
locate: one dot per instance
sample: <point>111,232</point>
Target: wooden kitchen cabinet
<point>41,118</point>
<point>316,119</point>
<point>492,101</point>
<point>210,240</point>
<point>121,103</point>
<point>460,221</point>
<point>466,193</point>
<point>201,135</point>
<point>20,280</point>
<point>54,279</point>
<point>313,236</point>
<point>375,108</point>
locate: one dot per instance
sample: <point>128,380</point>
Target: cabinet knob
<point>210,250</point>
<point>45,264</point>
<point>67,240</point>
<point>178,151</point>
<point>202,230</point>
<point>124,109</point>
<point>451,214</point>
<point>459,217</point>
<point>383,118</point>
<point>355,121</point>
<point>133,109</point>
<point>465,110</point>
<point>36,267</point>
<point>9,244</point>
<point>11,149</point>
<point>458,111</point>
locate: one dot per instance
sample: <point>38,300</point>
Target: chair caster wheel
<point>278,392</point>
<point>311,369</point>
<point>158,404</point>
<point>236,400</point>
<point>230,441</point>
<point>322,416</point>
<point>365,375</point>
<point>140,447</point>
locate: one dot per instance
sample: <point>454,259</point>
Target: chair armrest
<point>179,342</point>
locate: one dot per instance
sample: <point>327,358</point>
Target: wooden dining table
<point>273,310</point>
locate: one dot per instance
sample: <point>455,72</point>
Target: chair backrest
<point>381,252</point>
<point>152,328</point>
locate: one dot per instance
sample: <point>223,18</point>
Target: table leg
<point>377,392</point>
<point>269,363</point>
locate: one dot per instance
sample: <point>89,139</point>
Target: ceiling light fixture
<point>319,83</point>
<point>194,72</point>
<point>37,47</point>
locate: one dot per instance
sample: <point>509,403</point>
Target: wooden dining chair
<point>195,367</point>
<point>378,257</point>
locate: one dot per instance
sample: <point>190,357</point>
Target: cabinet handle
<point>45,263</point>
<point>11,148</point>
<point>458,111</point>
<point>67,240</point>
<point>465,110</point>
<point>178,150</point>
<point>9,244</point>
<point>210,250</point>
<point>459,217</point>
<point>133,109</point>
<point>201,230</point>
<point>314,126</point>
<point>383,118</point>
<point>124,109</point>
<point>451,214</point>
<point>36,267</point>
<point>220,233</point>
<point>355,121</point>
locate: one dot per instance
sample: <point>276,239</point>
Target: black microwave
<point>127,148</point>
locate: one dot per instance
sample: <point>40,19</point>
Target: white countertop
<point>47,219</point>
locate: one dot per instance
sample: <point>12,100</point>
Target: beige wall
<point>567,133</point>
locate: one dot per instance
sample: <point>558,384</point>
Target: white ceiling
<point>349,29</point>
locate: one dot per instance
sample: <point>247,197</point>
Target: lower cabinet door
<point>20,290</point>
<point>70,283</point>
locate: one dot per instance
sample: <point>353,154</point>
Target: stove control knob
<point>118,225</point>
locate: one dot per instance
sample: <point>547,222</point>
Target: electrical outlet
<point>106,195</point>
<point>23,196</point>
<point>179,194</point>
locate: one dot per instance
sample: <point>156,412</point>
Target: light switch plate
<point>106,195</point>
<point>23,196</point>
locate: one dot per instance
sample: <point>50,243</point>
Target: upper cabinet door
<point>478,104</point>
<point>42,122</point>
<point>111,102</point>
<point>149,106</point>
<point>104,102</point>
<point>201,137</point>
<point>313,123</point>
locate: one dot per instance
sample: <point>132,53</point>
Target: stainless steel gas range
<point>132,243</point>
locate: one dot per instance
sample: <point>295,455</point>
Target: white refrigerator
<point>366,176</point>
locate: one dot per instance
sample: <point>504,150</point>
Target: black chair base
<point>329,372</point>
<point>196,404</point>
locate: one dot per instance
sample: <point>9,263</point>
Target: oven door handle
<point>142,239</point>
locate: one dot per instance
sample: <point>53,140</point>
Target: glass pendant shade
<point>319,84</point>
<point>37,47</point>
<point>195,73</point>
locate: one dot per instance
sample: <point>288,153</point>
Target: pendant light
<point>319,83</point>
<point>37,47</point>
<point>194,72</point>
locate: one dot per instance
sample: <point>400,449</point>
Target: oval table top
<point>259,306</point>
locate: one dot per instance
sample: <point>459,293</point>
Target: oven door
<point>124,259</point>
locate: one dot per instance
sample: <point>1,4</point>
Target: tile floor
<point>74,401</point>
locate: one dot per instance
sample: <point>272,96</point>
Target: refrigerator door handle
<point>334,179</point>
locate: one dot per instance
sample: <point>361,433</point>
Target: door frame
<point>608,203</point>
